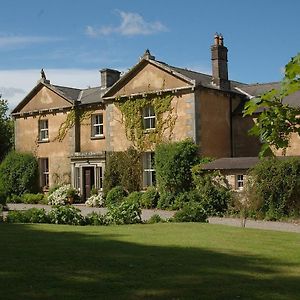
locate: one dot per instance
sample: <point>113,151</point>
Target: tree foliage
<point>273,188</point>
<point>123,169</point>
<point>277,120</point>
<point>6,129</point>
<point>18,174</point>
<point>173,163</point>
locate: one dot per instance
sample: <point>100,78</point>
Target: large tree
<point>6,129</point>
<point>277,121</point>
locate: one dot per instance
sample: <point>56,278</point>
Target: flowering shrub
<point>95,201</point>
<point>65,215</point>
<point>127,212</point>
<point>62,195</point>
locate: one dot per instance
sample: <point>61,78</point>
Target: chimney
<point>109,77</point>
<point>219,63</point>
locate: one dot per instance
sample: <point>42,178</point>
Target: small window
<point>148,167</point>
<point>43,130</point>
<point>97,125</point>
<point>149,117</point>
<point>99,178</point>
<point>44,173</point>
<point>239,182</point>
<point>77,178</point>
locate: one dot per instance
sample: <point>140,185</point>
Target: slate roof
<point>91,95</point>
<point>232,163</point>
<point>202,79</point>
<point>257,89</point>
<point>68,92</point>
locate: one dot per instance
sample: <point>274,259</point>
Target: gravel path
<point>269,225</point>
<point>148,213</point>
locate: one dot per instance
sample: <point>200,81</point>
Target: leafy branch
<point>276,121</point>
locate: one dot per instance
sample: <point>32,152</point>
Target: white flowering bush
<point>95,201</point>
<point>62,195</point>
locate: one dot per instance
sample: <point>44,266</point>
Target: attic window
<point>43,131</point>
<point>149,117</point>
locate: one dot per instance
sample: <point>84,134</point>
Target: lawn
<point>159,261</point>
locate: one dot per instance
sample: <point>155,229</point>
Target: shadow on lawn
<point>40,264</point>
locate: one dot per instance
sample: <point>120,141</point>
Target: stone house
<point>71,130</point>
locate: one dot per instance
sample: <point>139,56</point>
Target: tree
<point>18,174</point>
<point>277,121</point>
<point>173,163</point>
<point>6,129</point>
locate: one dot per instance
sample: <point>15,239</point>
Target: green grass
<point>159,261</point>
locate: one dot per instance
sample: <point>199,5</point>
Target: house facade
<point>71,130</point>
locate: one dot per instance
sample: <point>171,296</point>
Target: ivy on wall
<point>70,122</point>
<point>132,117</point>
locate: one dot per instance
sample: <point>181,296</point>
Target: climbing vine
<point>132,116</point>
<point>70,122</point>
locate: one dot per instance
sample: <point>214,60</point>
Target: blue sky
<point>72,40</point>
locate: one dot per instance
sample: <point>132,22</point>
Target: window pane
<point>97,123</point>
<point>43,130</point>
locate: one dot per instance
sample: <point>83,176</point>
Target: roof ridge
<point>264,83</point>
<point>62,86</point>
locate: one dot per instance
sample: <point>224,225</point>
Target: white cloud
<point>13,40</point>
<point>16,84</point>
<point>131,24</point>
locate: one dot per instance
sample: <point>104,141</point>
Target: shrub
<point>33,215</point>
<point>65,215</point>
<point>273,188</point>
<point>95,200</point>
<point>96,219</point>
<point>156,219</point>
<point>134,197</point>
<point>1,213</point>
<point>166,201</point>
<point>3,198</point>
<point>150,198</point>
<point>173,163</point>
<point>115,196</point>
<point>127,212</point>
<point>14,199</point>
<point>18,174</point>
<point>213,190</point>
<point>123,169</point>
<point>33,198</point>
<point>186,197</point>
<point>62,195</point>
<point>191,212</point>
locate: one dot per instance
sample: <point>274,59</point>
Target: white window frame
<point>148,169</point>
<point>97,125</point>
<point>240,180</point>
<point>149,116</point>
<point>43,130</point>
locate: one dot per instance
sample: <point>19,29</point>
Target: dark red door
<point>89,181</point>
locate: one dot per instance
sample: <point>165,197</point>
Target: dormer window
<point>97,125</point>
<point>149,117</point>
<point>43,131</point>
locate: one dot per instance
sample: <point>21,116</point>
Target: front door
<point>89,181</point>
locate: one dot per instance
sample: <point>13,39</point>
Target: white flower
<point>95,201</point>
